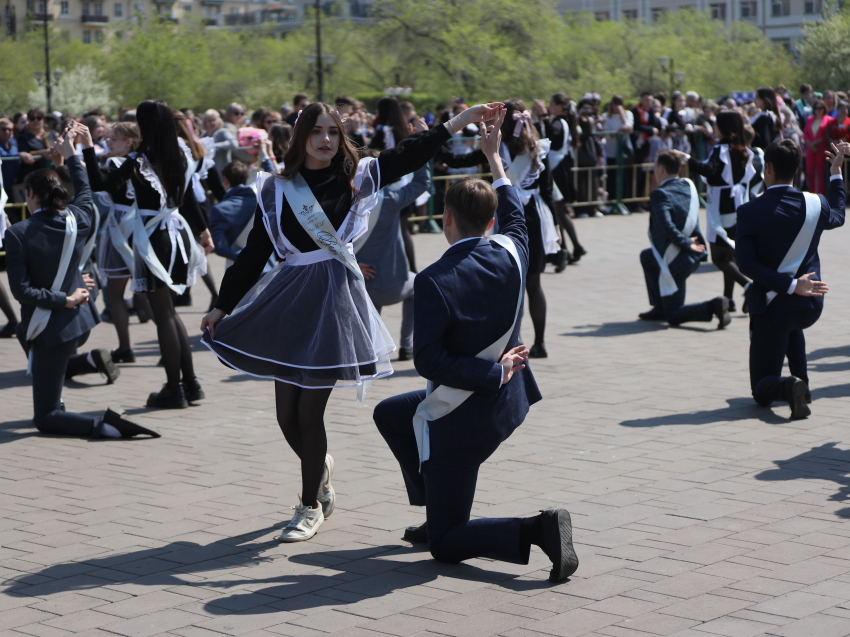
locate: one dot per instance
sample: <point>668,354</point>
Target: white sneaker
<point>327,495</point>
<point>303,524</point>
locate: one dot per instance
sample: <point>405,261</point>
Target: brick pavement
<point>696,513</point>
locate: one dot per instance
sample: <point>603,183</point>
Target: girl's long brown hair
<point>527,141</point>
<point>183,130</point>
<point>345,160</point>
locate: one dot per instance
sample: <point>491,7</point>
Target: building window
<point>658,13</point>
<point>234,11</point>
<point>98,8</point>
<point>119,10</point>
<point>602,16</point>
<point>785,43</point>
<point>98,36</point>
<point>87,8</point>
<point>630,14</point>
<point>86,36</point>
<point>749,10</point>
<point>779,8</point>
<point>187,8</point>
<point>718,11</point>
<point>64,9</point>
<point>814,6</point>
<point>30,6</point>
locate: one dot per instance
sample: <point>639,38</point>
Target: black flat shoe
<point>732,306</point>
<point>126,428</point>
<point>416,534</point>
<point>655,314</point>
<point>720,309</point>
<point>797,392</point>
<point>538,350</point>
<point>9,330</point>
<point>103,363</point>
<point>404,354</point>
<point>558,543</point>
<point>193,391</point>
<point>168,398</point>
<point>578,253</point>
<point>561,260</point>
<point>183,300</point>
<point>123,356</point>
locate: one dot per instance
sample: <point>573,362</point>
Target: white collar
<point>781,186</point>
<point>467,239</point>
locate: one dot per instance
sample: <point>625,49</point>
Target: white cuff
<point>792,287</point>
<point>504,181</point>
<point>834,177</point>
<point>502,374</point>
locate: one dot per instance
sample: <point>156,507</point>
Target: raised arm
<point>836,197</point>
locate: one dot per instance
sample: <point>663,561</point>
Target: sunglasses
<point>4,129</point>
<point>37,118</point>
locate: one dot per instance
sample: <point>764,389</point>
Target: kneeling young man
<point>467,312</point>
<point>677,247</point>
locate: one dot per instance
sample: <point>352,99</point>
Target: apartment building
<point>781,20</point>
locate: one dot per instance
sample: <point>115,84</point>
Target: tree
<point>79,90</point>
<point>825,50</point>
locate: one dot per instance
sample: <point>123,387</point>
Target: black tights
<point>301,418</point>
<point>566,224</point>
<point>407,238</point>
<point>536,305</point>
<point>173,340</point>
<point>6,305</point>
<point>723,256</point>
<point>118,311</point>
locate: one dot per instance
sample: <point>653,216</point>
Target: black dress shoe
<point>9,330</point>
<point>404,354</point>
<point>796,390</point>
<point>126,428</point>
<point>562,258</point>
<point>745,306</point>
<point>103,363</point>
<point>538,350</point>
<point>578,253</point>
<point>732,306</point>
<point>655,314</point>
<point>168,398</point>
<point>416,534</point>
<point>558,543</point>
<point>720,309</point>
<point>193,391</point>
<point>123,356</point>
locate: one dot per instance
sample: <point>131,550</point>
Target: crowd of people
<point>313,207</point>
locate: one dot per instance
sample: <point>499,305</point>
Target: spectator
<point>839,129</point>
<point>830,103</point>
<point>233,117</point>
<point>618,120</point>
<point>258,118</point>
<point>279,135</point>
<point>223,139</point>
<point>8,148</point>
<point>299,103</point>
<point>815,138</point>
<point>19,121</point>
<point>232,218</point>
<point>804,104</point>
<point>34,145</point>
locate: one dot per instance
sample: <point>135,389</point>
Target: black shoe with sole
<point>404,354</point>
<point>558,543</point>
<point>183,300</point>
<point>655,314</point>
<point>732,306</point>
<point>416,534</point>
<point>193,391</point>
<point>103,363</point>
<point>797,392</point>
<point>578,253</point>
<point>562,258</point>
<point>123,356</point>
<point>538,350</point>
<point>168,398</point>
<point>9,330</point>
<point>126,428</point>
<point>720,309</point>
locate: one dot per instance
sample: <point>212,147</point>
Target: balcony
<point>239,19</point>
<point>95,20</point>
<point>211,22</point>
<point>214,3</point>
<point>41,18</point>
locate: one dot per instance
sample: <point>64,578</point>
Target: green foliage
<point>80,90</point>
<point>476,49</point>
<point>825,51</point>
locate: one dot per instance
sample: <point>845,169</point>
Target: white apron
<point>716,223</point>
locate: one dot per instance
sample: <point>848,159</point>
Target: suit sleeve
<point>430,357</point>
<point>396,200</point>
<point>19,280</point>
<point>411,154</point>
<point>836,199</point>
<point>660,209</point>
<point>511,219</point>
<point>245,272</point>
<point>746,254</point>
<point>83,205</point>
<point>218,226</point>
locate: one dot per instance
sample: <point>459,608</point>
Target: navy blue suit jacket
<point>229,217</point>
<point>463,303</point>
<point>767,226</point>
<point>669,205</point>
<point>33,250</point>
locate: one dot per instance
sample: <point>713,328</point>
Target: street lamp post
<point>320,72</point>
<point>47,80</point>
<point>668,65</point>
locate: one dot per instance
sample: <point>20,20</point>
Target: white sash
<point>241,240</point>
<point>313,219</point>
<point>666,282</point>
<point>444,400</point>
<point>548,231</point>
<point>373,221</point>
<point>557,156</point>
<point>167,219</point>
<point>88,248</point>
<point>797,252</point>
<point>519,168</point>
<point>740,193</point>
<point>41,316</point>
<point>121,231</point>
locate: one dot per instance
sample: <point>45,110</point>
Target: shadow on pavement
<point>737,409</point>
<point>826,462</point>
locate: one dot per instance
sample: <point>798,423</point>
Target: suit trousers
<point>673,305</point>
<point>446,487</point>
<point>402,293</point>
<point>48,377</point>
<point>773,337</point>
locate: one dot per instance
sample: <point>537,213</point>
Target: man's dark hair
<point>299,97</point>
<point>645,94</point>
<point>669,161</point>
<point>344,100</point>
<point>785,158</point>
<point>236,173</point>
<point>473,203</point>
<point>805,88</point>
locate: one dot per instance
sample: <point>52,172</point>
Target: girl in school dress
<point>166,257</point>
<point>309,324</point>
<point>729,172</point>
<point>767,122</point>
<point>8,330</point>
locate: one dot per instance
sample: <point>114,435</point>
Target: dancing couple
<point>326,332</point>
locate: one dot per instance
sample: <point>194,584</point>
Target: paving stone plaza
<point>696,513</point>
